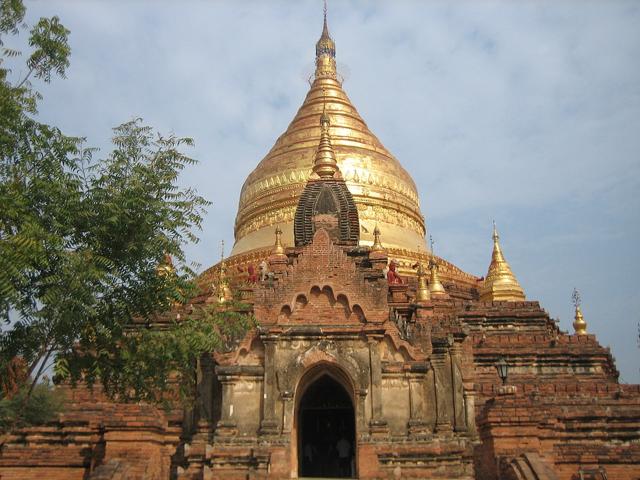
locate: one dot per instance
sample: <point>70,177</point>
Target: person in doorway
<point>344,455</point>
<point>309,457</point>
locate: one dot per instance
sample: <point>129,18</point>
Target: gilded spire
<point>223,268</point>
<point>166,268</point>
<point>325,164</point>
<point>278,249</point>
<point>435,286</point>
<point>501,283</point>
<point>377,245</point>
<point>325,52</point>
<point>223,292</point>
<point>579,325</point>
<point>422,293</point>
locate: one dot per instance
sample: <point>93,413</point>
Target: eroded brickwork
<point>426,399</point>
<point>94,439</point>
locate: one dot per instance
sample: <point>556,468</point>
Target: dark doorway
<point>326,422</point>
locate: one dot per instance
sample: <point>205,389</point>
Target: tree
<point>81,241</point>
<point>158,365</point>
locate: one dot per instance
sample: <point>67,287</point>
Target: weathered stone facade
<point>328,314</point>
<point>426,400</point>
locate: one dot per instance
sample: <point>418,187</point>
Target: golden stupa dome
<point>383,191</point>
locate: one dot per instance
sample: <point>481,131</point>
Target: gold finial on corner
<point>223,267</point>
<point>166,271</point>
<point>432,259</point>
<point>377,245</point>
<point>325,164</point>
<point>579,325</point>
<point>165,267</point>
<point>422,293</point>
<point>435,286</point>
<point>500,283</point>
<point>223,292</point>
<point>278,249</point>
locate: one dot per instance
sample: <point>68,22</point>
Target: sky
<point>523,112</point>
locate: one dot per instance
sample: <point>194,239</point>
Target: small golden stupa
<point>579,325</point>
<point>500,284</point>
<point>278,248</point>
<point>221,287</point>
<point>435,285</point>
<point>377,244</point>
<point>422,292</point>
<point>165,267</point>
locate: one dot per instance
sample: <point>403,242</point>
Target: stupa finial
<point>431,250</point>
<point>165,267</point>
<point>422,292</point>
<point>222,266</point>
<point>278,248</point>
<point>325,164</point>
<point>223,292</point>
<point>377,245</point>
<point>500,284</point>
<point>435,285</point>
<point>579,325</point>
<point>325,51</point>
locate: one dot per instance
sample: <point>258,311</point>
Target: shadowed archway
<point>326,430</point>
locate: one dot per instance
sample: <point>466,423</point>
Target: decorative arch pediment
<point>322,285</point>
<point>321,304</point>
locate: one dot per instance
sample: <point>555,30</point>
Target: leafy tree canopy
<point>43,403</point>
<point>81,240</point>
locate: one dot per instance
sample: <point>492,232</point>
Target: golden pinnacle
<point>435,286</point>
<point>278,249</point>
<point>579,325</point>
<point>500,283</point>
<point>377,245</point>
<point>422,293</point>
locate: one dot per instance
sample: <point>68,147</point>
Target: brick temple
<point>373,357</point>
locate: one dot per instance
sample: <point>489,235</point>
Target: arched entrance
<point>326,430</point>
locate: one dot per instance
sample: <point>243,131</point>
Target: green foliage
<point>38,180</point>
<point>51,48</point>
<point>80,244</point>
<point>148,363</point>
<point>40,407</point>
<point>81,241</point>
<point>11,14</point>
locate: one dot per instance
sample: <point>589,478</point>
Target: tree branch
<point>31,70</point>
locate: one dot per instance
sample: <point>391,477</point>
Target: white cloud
<point>527,112</point>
